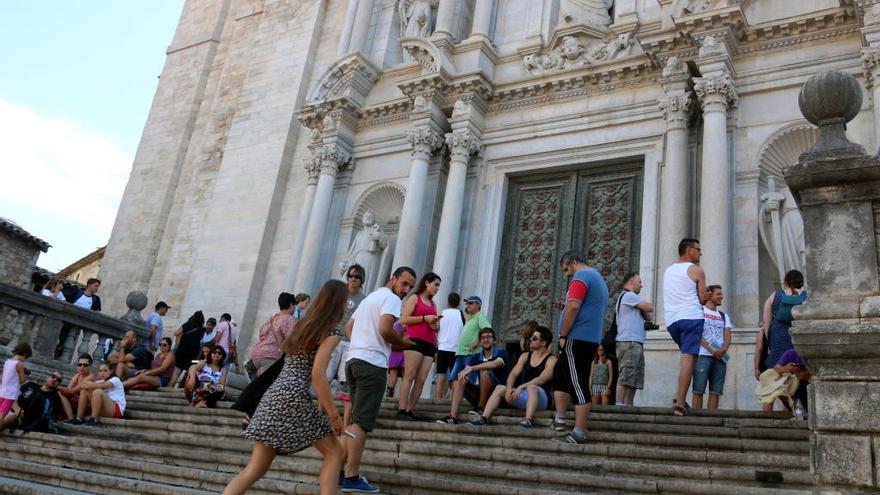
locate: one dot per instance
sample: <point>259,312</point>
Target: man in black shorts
<point>580,331</point>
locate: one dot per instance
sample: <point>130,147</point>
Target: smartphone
<point>195,361</point>
<point>350,434</point>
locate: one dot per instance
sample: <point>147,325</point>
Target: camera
<point>650,325</point>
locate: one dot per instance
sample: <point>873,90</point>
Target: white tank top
<point>9,387</point>
<point>680,301</point>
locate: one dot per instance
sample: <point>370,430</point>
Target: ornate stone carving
<point>711,46</point>
<point>462,144</point>
<point>415,18</point>
<point>422,56</point>
<point>593,12</point>
<point>333,157</point>
<point>870,64</point>
<point>718,90</point>
<point>366,248</point>
<point>424,141</point>
<point>674,67</point>
<point>313,169</point>
<point>577,50</point>
<point>872,15</point>
<point>677,109</point>
<point>609,229</point>
<point>781,227</point>
<point>686,7</point>
<point>420,104</point>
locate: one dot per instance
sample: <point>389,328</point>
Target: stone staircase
<point>164,448</point>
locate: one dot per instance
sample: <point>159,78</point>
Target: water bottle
<point>799,410</point>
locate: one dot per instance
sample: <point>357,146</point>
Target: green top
<point>470,333</point>
<point>600,373</point>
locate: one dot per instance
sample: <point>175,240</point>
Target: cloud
<point>58,169</point>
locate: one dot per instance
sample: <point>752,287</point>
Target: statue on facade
<point>367,248</point>
<point>594,12</point>
<point>782,229</point>
<point>415,18</point>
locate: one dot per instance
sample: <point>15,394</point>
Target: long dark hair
<point>197,320</point>
<point>324,314</point>
<point>426,279</point>
<point>210,359</point>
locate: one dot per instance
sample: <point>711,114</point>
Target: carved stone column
<point>462,143</point>
<point>482,25</point>
<point>424,141</point>
<point>837,331</point>
<point>332,157</point>
<point>347,28</point>
<point>445,18</point>
<point>871,64</point>
<point>361,26</point>
<point>313,171</point>
<point>716,94</point>
<point>675,187</point>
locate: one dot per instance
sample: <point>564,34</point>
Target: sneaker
<point>74,421</point>
<point>558,425</point>
<point>526,423</point>
<point>358,485</point>
<point>402,416</point>
<point>573,438</point>
<point>93,423</point>
<point>481,421</point>
<point>448,420</point>
<point>412,417</point>
<point>475,412</point>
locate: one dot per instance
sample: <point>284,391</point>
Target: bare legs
<point>625,395</point>
<point>355,449</point>
<point>101,405</point>
<point>441,387</point>
<point>412,390</point>
<point>697,399</point>
<point>581,411</point>
<point>486,387</point>
<point>494,400</point>
<point>392,381</point>
<point>685,374</point>
<point>141,378</point>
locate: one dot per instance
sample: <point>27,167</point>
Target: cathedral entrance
<point>597,210</point>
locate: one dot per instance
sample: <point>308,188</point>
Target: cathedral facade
<point>480,139</point>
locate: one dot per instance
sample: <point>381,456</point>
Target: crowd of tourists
<point>349,345</point>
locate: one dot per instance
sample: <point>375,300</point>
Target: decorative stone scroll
<point>578,50</point>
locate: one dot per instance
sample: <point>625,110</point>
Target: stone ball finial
<point>136,300</point>
<point>830,95</point>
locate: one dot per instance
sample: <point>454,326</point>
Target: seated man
<point>484,370</point>
<point>83,374</point>
<point>528,385</point>
<point>59,406</point>
<point>791,362</point>
<point>105,396</point>
<point>131,357</point>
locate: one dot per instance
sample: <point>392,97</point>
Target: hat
<point>474,299</point>
<point>162,304</point>
<point>772,385</point>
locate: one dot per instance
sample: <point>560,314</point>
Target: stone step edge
<point>16,486</point>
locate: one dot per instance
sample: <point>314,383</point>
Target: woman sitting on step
<point>161,369</point>
<point>206,383</point>
<point>105,397</point>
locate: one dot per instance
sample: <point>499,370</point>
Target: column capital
<point>716,94</point>
<point>313,169</point>
<point>462,143</point>
<point>677,109</point>
<point>333,157</point>
<point>424,141</point>
<point>871,66</point>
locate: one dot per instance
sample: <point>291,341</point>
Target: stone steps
<point>164,447</point>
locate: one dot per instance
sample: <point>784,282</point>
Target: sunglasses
<point>484,337</point>
<point>82,365</point>
<point>534,338</point>
<point>216,352</point>
<point>59,378</point>
<point>355,276</point>
<point>164,343</point>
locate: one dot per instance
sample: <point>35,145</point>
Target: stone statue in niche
<point>415,18</point>
<point>367,248</point>
<point>781,227</point>
<point>594,12</point>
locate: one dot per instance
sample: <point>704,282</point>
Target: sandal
<point>679,411</point>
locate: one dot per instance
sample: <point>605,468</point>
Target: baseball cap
<point>162,304</point>
<point>474,299</point>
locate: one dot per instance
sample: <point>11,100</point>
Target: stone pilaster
<point>313,171</point>
<point>871,66</point>
<point>716,94</point>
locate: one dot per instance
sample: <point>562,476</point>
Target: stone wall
<point>18,259</point>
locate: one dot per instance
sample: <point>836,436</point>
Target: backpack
<point>36,410</point>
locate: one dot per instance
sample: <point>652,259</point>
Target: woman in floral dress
<point>287,420</point>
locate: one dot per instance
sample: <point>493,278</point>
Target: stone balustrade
<point>28,316</point>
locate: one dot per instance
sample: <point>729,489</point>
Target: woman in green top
<point>600,378</point>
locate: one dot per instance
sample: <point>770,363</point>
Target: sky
<point>77,78</point>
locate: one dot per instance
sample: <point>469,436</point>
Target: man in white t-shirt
<point>451,323</point>
<point>371,331</point>
<point>711,365</point>
<point>154,324</point>
<point>631,313</point>
<point>88,298</point>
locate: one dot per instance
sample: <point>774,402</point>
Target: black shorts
<point>572,372</point>
<point>425,348</point>
<point>444,361</point>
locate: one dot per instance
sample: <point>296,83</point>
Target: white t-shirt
<point>117,393</point>
<point>155,319</point>
<point>84,302</point>
<point>630,322</point>
<point>450,329</point>
<point>680,300</point>
<point>713,329</point>
<point>59,295</point>
<point>367,343</point>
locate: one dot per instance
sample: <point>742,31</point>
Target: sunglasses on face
<point>355,276</point>
<point>82,365</point>
<point>534,338</point>
<point>163,343</point>
<point>486,337</point>
<point>216,352</point>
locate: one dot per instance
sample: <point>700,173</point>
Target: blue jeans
<point>459,364</point>
<point>712,371</point>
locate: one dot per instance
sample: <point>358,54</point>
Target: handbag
<point>250,397</point>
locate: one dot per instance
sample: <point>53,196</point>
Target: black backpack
<point>36,410</point>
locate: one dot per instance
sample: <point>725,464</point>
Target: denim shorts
<point>687,335</point>
<point>711,370</point>
<point>522,398</point>
<point>459,364</point>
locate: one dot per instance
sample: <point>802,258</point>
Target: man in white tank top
<point>684,293</point>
